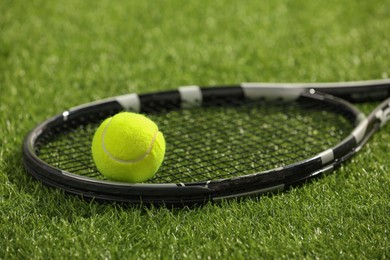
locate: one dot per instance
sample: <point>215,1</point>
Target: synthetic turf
<point>55,55</point>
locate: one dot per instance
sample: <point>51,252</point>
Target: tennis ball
<point>128,147</point>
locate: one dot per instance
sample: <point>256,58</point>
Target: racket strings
<point>226,138</point>
<point>68,148</point>
<point>230,140</point>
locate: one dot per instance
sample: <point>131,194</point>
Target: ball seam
<point>138,159</point>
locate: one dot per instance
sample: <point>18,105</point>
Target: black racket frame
<point>213,190</point>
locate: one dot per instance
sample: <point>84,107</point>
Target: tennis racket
<point>222,142</point>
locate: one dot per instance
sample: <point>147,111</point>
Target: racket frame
<point>274,180</point>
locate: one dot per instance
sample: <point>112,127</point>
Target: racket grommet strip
<point>191,96</point>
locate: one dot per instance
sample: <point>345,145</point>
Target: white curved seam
<point>140,158</point>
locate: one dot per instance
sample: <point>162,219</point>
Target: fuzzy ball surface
<point>128,147</point>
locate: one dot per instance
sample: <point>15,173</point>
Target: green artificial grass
<point>55,55</point>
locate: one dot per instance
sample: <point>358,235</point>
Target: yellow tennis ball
<point>128,147</point>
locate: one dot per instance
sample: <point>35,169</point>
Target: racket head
<point>205,160</point>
